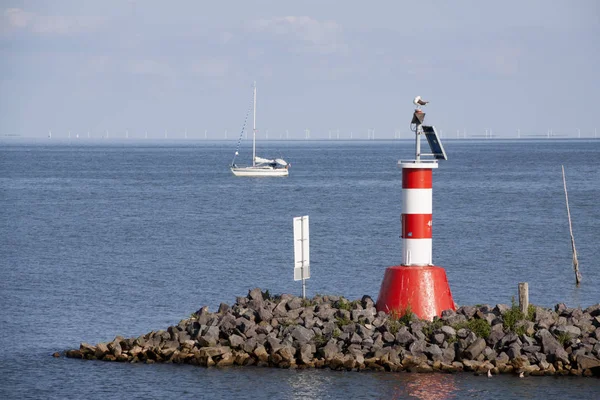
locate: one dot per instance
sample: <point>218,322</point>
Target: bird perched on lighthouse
<point>419,102</point>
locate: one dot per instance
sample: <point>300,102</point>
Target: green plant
<point>344,304</point>
<point>319,340</point>
<point>342,321</point>
<point>531,313</point>
<point>562,338</point>
<point>336,333</point>
<point>266,295</point>
<point>432,327</point>
<point>461,325</point>
<point>403,316</point>
<point>480,327</point>
<point>308,303</point>
<point>521,330</point>
<point>288,322</point>
<point>394,326</point>
<point>512,316</point>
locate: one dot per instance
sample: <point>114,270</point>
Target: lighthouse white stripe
<point>416,252</point>
<point>417,201</point>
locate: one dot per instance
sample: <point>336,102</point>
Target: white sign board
<point>301,249</point>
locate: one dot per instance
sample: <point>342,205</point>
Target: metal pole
<point>418,142</point>
<point>303,260</point>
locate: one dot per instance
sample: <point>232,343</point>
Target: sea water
<point>103,239</point>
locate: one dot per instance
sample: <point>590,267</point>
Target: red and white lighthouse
<point>417,285</point>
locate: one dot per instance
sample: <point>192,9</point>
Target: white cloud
<point>314,35</point>
<point>16,19</point>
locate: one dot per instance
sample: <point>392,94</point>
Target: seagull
<point>419,102</point>
<point>489,373</point>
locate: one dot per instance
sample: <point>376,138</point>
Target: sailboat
<point>260,166</point>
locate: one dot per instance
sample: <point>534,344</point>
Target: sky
<point>334,67</point>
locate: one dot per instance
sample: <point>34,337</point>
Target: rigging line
<point>237,147</point>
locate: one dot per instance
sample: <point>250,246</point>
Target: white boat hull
<point>259,171</point>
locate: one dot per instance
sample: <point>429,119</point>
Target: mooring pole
<point>575,262</point>
<point>524,297</point>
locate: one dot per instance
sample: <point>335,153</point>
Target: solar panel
<point>437,150</point>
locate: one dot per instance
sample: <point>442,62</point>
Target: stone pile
<point>331,332</point>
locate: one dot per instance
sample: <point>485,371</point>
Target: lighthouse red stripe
<point>416,178</point>
<point>416,226</point>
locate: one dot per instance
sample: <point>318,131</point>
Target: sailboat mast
<point>254,129</point>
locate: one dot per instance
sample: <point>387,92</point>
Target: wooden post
<point>575,262</point>
<point>524,297</point>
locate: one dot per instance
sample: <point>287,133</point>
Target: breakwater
<point>332,332</point>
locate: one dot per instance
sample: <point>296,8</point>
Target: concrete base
<point>424,289</point>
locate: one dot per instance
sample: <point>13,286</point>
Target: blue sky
<point>70,65</point>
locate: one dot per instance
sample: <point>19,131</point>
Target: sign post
<point>301,252</point>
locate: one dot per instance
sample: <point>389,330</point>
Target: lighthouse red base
<point>424,290</point>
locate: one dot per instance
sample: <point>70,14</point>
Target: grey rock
<point>236,341</point>
<point>280,310</point>
<point>514,351</point>
<point>433,352</point>
<point>255,294</point>
<point>475,349</point>
<point>448,355</point>
<point>551,347</point>
<point>367,302</point>
<point>388,337</point>
<point>570,330</point>
<point>467,311</point>
<point>294,303</point>
<point>587,362</point>
<point>404,337</point>
<point>448,331</point>
<point>302,334</point>
<point>417,348</point>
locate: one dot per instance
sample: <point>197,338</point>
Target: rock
<point>434,352</point>
<point>280,310</point>
<point>302,334</point>
<point>587,362</point>
<point>551,347</point>
<point>255,294</point>
<point>261,353</point>
<point>294,303</point>
<point>448,331</point>
<point>330,350</point>
<point>367,302</point>
<point>101,350</point>
<point>306,353</point>
<point>236,341</point>
<point>404,337</point>
<point>475,349</point>
<point>570,330</point>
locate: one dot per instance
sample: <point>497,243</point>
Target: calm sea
<point>99,240</point>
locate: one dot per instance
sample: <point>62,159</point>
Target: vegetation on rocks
<point>332,332</point>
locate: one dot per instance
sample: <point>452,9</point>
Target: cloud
<point>16,19</point>
<point>313,35</point>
